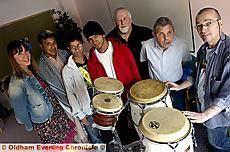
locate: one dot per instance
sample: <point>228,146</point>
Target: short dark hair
<point>162,21</point>
<point>210,9</point>
<point>73,37</point>
<point>92,28</point>
<point>45,34</point>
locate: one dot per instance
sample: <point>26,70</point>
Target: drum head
<point>164,125</point>
<point>108,85</point>
<point>148,91</point>
<point>107,103</point>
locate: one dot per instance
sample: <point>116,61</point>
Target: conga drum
<point>166,130</point>
<point>146,94</point>
<point>106,107</point>
<point>108,85</point>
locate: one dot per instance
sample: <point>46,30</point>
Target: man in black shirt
<point>132,35</point>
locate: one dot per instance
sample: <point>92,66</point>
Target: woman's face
<point>23,58</point>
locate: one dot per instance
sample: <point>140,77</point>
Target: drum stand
<point>116,141</point>
<point>193,136</point>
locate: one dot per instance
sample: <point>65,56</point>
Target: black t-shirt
<point>84,71</point>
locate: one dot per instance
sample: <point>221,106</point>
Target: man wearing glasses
<point>79,85</point>
<point>213,79</point>
<point>52,61</point>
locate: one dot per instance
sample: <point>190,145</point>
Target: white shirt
<point>165,65</point>
<point>106,60</point>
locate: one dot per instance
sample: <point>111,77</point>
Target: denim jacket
<point>29,101</point>
<point>217,81</point>
<point>53,77</point>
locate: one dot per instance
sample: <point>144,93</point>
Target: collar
<point>217,48</point>
<point>222,38</point>
<point>71,62</point>
<point>109,48</point>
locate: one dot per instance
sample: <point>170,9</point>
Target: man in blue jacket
<point>213,79</point>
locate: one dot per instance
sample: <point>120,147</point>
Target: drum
<point>107,107</point>
<point>166,129</point>
<point>108,85</point>
<point>146,94</point>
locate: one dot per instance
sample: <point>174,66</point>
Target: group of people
<point>54,98</point>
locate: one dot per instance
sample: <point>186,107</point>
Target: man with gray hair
<point>165,54</point>
<point>132,35</point>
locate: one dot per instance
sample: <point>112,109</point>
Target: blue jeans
<point>92,132</point>
<point>218,138</point>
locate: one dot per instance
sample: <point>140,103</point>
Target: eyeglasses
<point>72,47</point>
<point>207,24</point>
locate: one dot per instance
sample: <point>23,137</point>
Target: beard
<point>124,30</point>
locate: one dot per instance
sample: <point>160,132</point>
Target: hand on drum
<point>195,117</point>
<point>172,85</point>
<point>85,121</point>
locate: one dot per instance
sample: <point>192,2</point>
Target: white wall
<point>97,10</point>
<point>221,5</point>
<point>11,10</point>
<point>70,6</point>
<point>144,12</point>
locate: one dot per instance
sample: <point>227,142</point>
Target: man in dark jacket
<point>132,35</point>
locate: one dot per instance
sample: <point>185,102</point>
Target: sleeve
<point>186,54</point>
<point>187,64</point>
<point>18,100</point>
<point>133,67</point>
<point>143,55</point>
<point>71,94</point>
<point>223,97</point>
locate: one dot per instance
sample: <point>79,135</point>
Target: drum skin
<point>108,85</point>
<point>166,130</point>
<point>104,120</point>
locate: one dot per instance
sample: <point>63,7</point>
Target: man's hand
<point>172,85</point>
<point>204,116</point>
<point>195,117</point>
<point>177,87</point>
